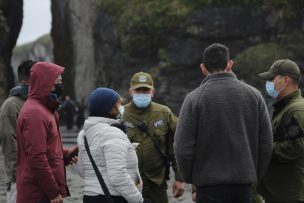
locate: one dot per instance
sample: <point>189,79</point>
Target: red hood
<point>42,78</point>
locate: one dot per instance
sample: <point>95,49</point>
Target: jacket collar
<point>92,121</point>
<point>137,110</point>
<point>140,111</point>
<point>219,76</point>
<point>97,119</point>
<point>279,105</point>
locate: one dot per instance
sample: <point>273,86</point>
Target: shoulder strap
<point>157,145</point>
<point>98,174</point>
<point>164,154</point>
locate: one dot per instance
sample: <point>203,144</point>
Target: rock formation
<point>10,24</point>
<point>91,43</point>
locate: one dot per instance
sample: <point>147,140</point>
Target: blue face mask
<point>271,91</point>
<point>121,110</point>
<point>142,100</point>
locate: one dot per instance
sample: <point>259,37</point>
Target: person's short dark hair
<point>24,70</point>
<point>216,57</point>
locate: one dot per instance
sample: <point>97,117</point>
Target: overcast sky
<point>36,20</point>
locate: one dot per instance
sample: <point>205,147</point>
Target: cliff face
<point>72,31</point>
<point>97,50</point>
<point>11,13</point>
<point>38,50</point>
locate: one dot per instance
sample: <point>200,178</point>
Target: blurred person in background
<point>70,109</point>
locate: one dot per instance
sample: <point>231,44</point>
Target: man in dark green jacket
<point>151,126</point>
<point>284,179</point>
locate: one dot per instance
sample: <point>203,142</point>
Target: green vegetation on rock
<point>144,26</point>
<point>44,40</point>
<point>258,59</point>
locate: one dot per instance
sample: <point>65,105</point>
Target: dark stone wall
<point>11,14</point>
<point>62,37</point>
<point>87,38</point>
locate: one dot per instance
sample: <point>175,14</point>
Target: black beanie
<point>101,101</point>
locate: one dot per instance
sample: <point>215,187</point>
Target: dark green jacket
<point>161,124</point>
<point>284,179</point>
<point>9,112</point>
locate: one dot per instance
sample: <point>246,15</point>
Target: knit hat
<point>101,101</point>
<point>283,67</point>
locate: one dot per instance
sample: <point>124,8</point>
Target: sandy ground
<point>75,183</point>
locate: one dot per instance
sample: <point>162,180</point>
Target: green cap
<point>141,79</point>
<point>283,67</point>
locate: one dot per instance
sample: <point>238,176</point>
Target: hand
<point>71,156</point>
<point>73,161</point>
<point>58,199</point>
<point>193,193</point>
<point>178,188</point>
<point>194,196</point>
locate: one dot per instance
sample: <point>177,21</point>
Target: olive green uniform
<point>284,179</point>
<point>160,123</point>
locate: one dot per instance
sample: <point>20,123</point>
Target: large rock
<point>90,43</point>
<point>11,13</point>
<point>72,32</point>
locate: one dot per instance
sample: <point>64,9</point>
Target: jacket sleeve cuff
<point>53,194</point>
<point>178,176</point>
<point>65,152</point>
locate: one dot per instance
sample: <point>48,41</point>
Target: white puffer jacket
<point>115,158</point>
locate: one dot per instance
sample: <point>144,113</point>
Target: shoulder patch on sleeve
<point>293,130</point>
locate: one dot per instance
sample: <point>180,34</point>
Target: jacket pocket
<point>54,160</point>
<point>160,134</point>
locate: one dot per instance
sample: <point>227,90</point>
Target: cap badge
<point>142,78</point>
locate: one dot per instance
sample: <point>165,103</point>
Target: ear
<point>112,112</point>
<point>153,92</point>
<point>131,92</point>
<point>26,82</point>
<point>287,79</point>
<point>229,66</point>
<point>204,70</point>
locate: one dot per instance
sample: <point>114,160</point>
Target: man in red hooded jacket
<point>41,158</point>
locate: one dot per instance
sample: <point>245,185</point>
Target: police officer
<point>284,179</point>
<point>151,127</point>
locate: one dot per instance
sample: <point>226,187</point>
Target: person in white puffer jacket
<point>111,150</point>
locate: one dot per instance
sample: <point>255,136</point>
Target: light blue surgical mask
<point>142,100</point>
<point>121,110</point>
<point>271,91</point>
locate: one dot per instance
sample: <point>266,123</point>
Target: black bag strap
<point>157,145</point>
<point>98,174</point>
